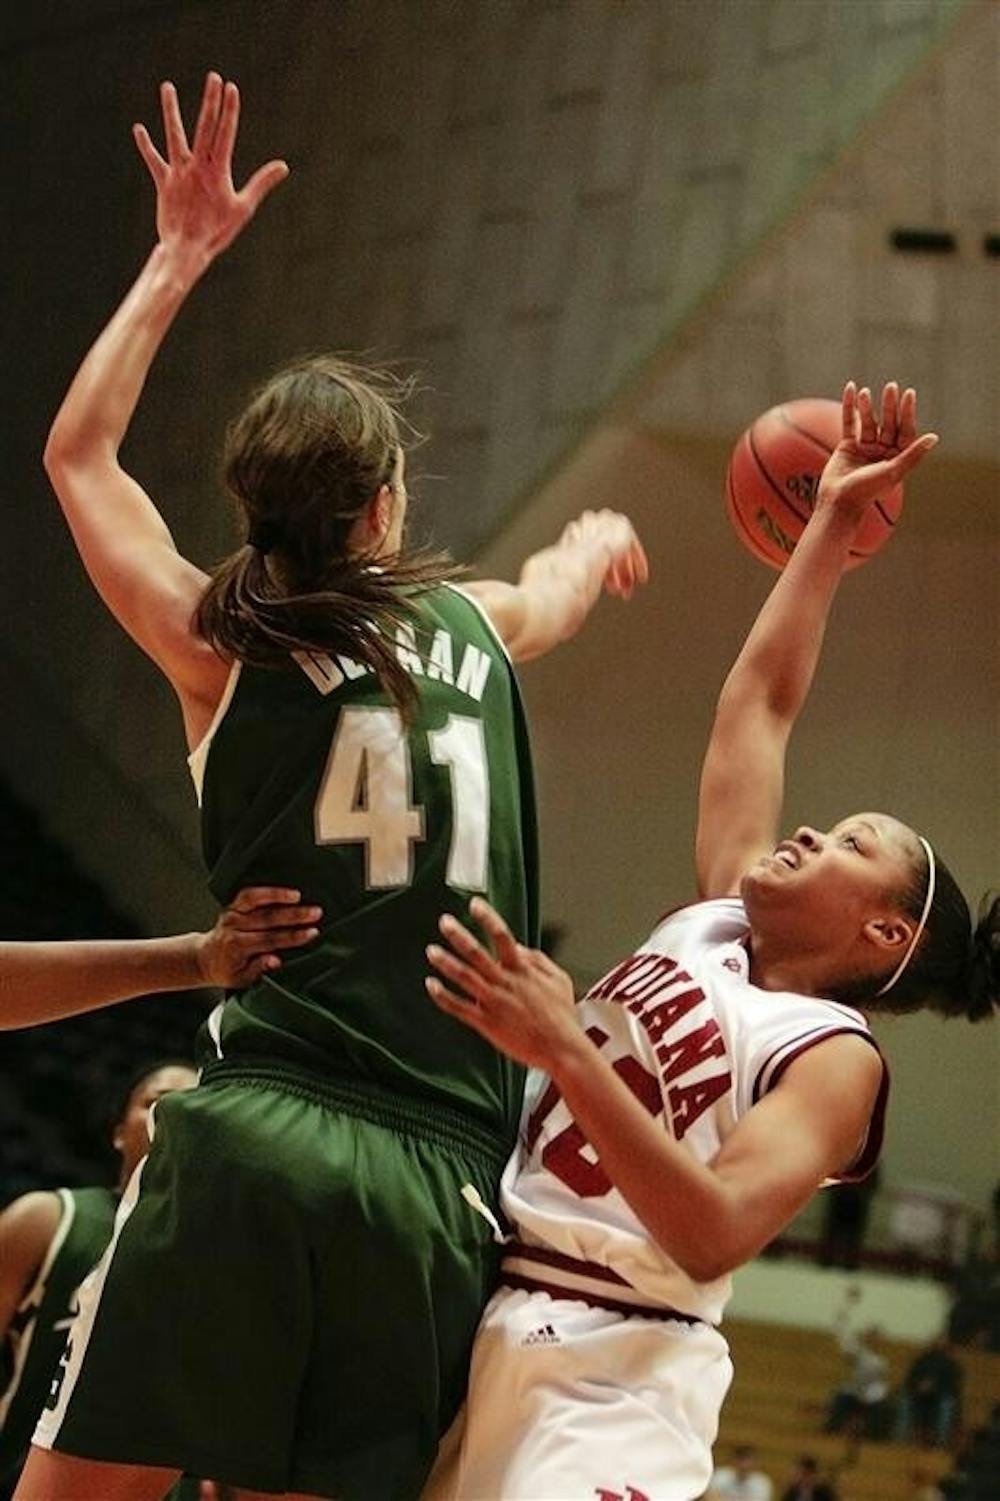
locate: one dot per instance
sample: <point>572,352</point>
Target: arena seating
<point>778,1400</point>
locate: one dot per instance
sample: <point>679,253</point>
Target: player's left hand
<point>245,940</point>
<point>515,997</point>
<point>876,451</point>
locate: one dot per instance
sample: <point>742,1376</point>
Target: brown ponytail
<point>302,462</point>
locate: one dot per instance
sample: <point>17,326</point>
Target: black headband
<point>264,535</point>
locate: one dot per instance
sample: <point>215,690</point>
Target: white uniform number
<point>365,796</point>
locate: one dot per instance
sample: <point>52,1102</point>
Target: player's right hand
<point>198,210</point>
<point>247,936</point>
<point>875,452</point>
<point>614,534</point>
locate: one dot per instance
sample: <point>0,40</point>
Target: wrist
<point>571,1054</point>
<point>177,266</point>
<point>197,952</point>
<point>839,513</point>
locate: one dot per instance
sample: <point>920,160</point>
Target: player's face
<point>132,1134</point>
<point>833,881</point>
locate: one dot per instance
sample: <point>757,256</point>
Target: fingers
<point>869,427</point>
<point>229,119</point>
<point>173,125</point>
<point>628,570</point>
<point>253,912</point>
<point>918,450</point>
<point>475,987</point>
<point>640,562</point>
<point>208,116</point>
<point>907,417</point>
<point>263,181</point>
<point>849,413</point>
<point>469,948</point>
<point>506,947</point>
<point>154,161</point>
<point>264,964</point>
<point>276,938</point>
<point>264,896</point>
<point>445,1000</point>
<point>888,434</point>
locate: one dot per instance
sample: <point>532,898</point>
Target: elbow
<point>52,454</point>
<point>707,1264</point>
<point>59,452</point>
<point>70,452</point>
<point>713,1250</point>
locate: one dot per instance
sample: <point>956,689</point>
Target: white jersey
<point>699,1045</point>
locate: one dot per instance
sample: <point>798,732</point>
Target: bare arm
<point>26,1230</point>
<point>559,586</point>
<point>43,982</point>
<point>742,780</point>
<point>708,1218</point>
<point>125,545</point>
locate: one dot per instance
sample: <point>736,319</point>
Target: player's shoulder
<point>469,606</point>
<point>718,920</point>
<point>28,1225</point>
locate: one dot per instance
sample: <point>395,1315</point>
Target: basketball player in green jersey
<point>302,1263</point>
<point>49,1240</point>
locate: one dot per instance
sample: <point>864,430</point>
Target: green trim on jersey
<point>312,781</point>
<point>37,1336</point>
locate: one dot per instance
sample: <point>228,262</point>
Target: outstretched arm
<point>559,586</point>
<point>125,545</point>
<point>742,780</point>
<point>44,982</point>
<point>709,1218</point>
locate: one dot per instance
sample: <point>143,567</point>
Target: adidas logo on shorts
<point>543,1335</point>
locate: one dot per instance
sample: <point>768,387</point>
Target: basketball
<point>773,476</point>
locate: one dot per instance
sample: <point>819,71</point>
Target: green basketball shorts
<point>291,1292</point>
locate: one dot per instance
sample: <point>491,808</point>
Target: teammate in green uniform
<point>301,1266</point>
<point>49,1240</point>
<point>48,980</point>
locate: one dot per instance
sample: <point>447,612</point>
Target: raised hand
<point>198,210</point>
<point>875,452</point>
<point>516,997</point>
<point>244,942</point>
<point>616,536</point>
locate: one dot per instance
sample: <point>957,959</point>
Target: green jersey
<point>37,1334</point>
<point>311,779</point>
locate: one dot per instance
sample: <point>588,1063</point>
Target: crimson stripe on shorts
<point>592,1300</point>
<point>563,1263</point>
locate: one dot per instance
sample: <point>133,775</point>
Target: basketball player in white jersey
<point>704,1089</point>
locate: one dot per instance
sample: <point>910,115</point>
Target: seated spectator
<point>975,1313</point>
<point>859,1406</point>
<point>806,1484</point>
<point>923,1487</point>
<point>929,1400</point>
<point>741,1480</point>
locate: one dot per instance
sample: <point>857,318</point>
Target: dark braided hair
<point>955,968</point>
